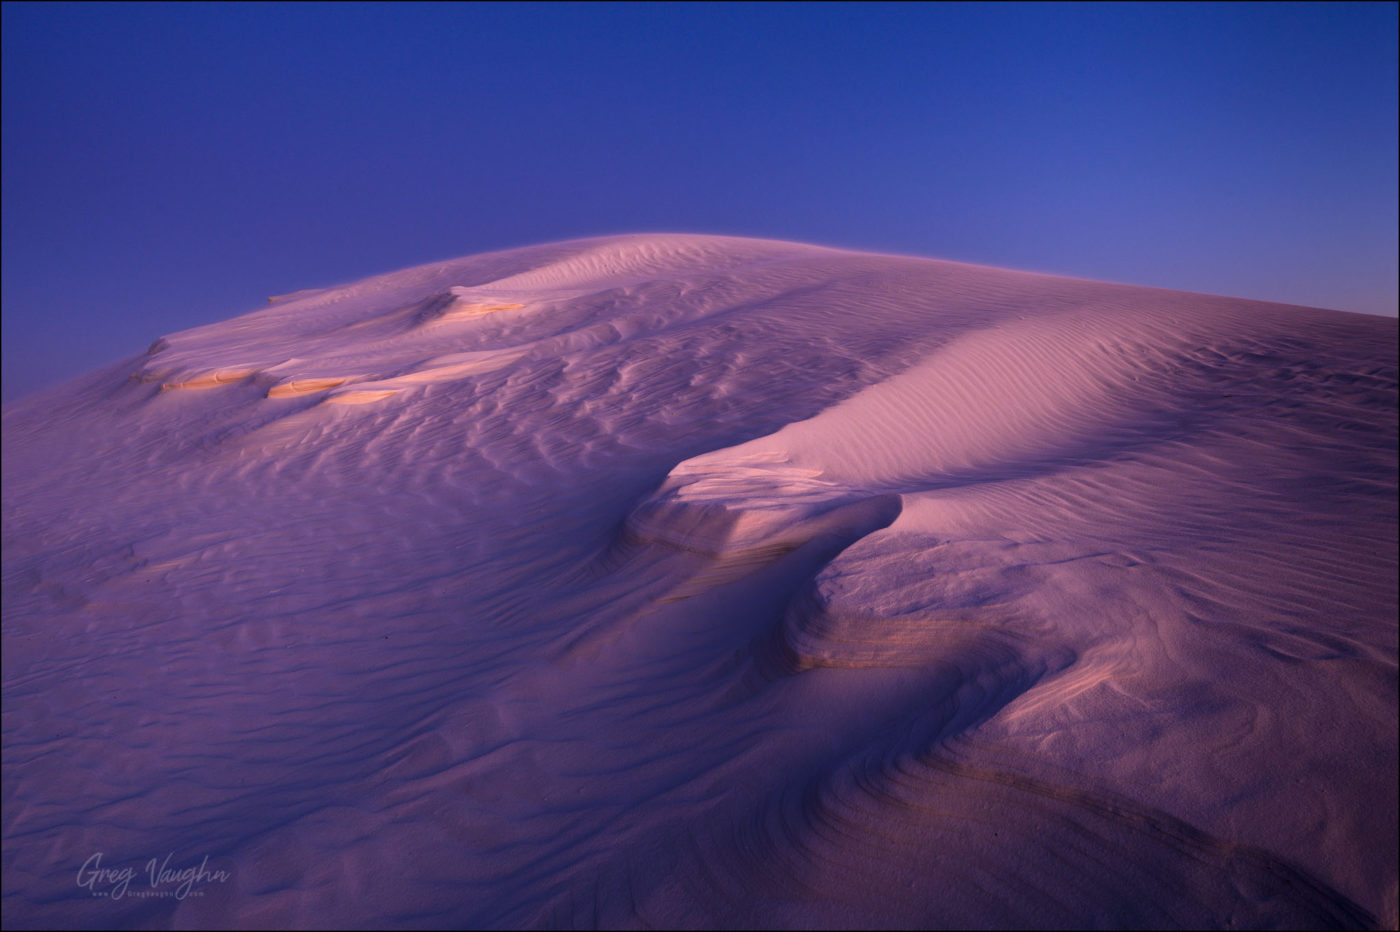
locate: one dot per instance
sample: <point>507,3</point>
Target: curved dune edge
<point>294,295</point>
<point>305,386</point>
<point>457,366</point>
<point>722,583</point>
<point>458,304</point>
<point>360,397</point>
<point>213,379</point>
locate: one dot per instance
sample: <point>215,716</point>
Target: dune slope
<point>696,581</point>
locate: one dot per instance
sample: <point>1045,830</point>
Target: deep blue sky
<point>167,166</point>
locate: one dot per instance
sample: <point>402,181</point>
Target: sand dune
<point>697,581</point>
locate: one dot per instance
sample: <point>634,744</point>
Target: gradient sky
<point>167,166</point>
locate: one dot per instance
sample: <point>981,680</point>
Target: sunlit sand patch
<point>476,310</point>
<point>356,397</point>
<point>209,379</point>
<point>458,303</point>
<point>304,386</point>
<point>460,365</point>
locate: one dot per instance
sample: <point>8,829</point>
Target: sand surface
<point>695,581</point>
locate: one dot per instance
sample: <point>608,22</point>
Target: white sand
<point>694,581</point>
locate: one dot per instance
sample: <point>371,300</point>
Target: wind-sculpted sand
<point>704,582</point>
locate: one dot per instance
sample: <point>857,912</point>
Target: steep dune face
<point>697,581</point>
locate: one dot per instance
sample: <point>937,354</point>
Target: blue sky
<point>167,166</point>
